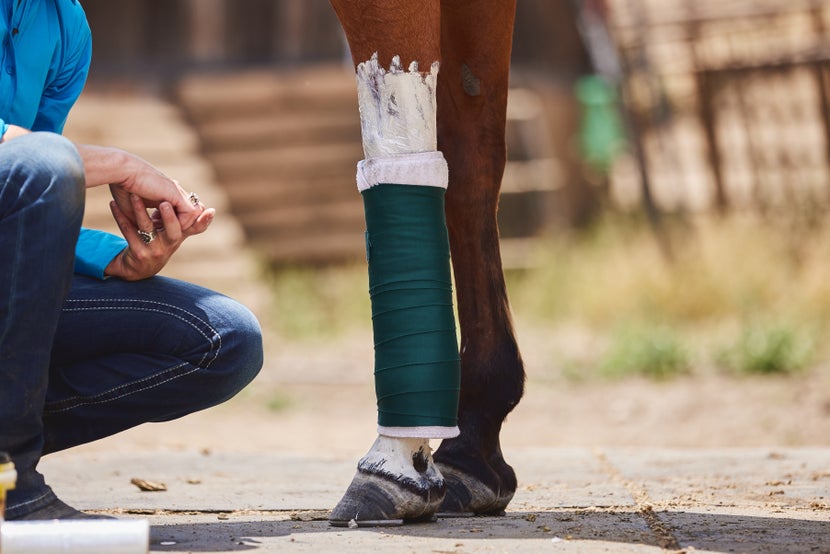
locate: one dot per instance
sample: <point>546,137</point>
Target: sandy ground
<point>316,398</point>
<point>597,464</point>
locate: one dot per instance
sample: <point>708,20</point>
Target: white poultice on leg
<point>397,108</point>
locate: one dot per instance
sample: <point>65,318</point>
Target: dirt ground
<point>315,397</point>
<point>314,400</point>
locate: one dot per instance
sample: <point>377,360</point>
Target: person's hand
<point>151,241</point>
<point>127,174</point>
<point>155,187</point>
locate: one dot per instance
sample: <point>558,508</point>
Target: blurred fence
<point>727,100</point>
<point>166,37</point>
<point>162,38</point>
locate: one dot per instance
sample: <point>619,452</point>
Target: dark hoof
<point>380,500</point>
<point>466,495</point>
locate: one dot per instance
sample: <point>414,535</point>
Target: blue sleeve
<point>66,80</point>
<point>3,128</point>
<point>95,250</point>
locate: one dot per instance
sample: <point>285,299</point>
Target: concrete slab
<point>205,482</point>
<point>199,482</point>
<point>564,478</point>
<point>569,500</point>
<point>516,532</point>
<point>749,477</point>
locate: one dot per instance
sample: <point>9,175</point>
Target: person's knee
<point>61,159</point>
<point>240,356</point>
<point>52,170</point>
<point>247,345</point>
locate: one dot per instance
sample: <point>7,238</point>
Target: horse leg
<point>416,352</point>
<point>472,100</point>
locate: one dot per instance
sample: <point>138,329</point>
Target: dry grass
<point>737,285</point>
<point>615,272</point>
<point>740,295</point>
<point>314,302</point>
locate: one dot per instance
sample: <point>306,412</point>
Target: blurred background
<point>662,213</point>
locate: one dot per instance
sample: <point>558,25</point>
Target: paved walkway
<point>570,500</point>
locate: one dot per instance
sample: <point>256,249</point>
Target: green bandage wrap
<point>417,366</point>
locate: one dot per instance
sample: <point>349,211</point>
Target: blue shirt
<point>44,60</point>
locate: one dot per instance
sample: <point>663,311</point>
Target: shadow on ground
<point>666,529</point>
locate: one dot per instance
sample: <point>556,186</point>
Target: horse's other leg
<point>472,100</point>
<point>403,179</point>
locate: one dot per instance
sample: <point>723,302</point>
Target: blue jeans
<point>81,358</point>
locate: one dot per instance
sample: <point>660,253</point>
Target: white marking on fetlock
<point>403,459</point>
<point>397,108</point>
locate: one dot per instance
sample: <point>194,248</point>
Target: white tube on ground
<point>88,536</point>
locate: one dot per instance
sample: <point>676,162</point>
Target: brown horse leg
<point>391,28</point>
<point>472,96</point>
<point>397,479</point>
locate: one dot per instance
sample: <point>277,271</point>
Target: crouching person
<point>92,340</point>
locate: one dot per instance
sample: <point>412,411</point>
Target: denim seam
<point>173,307</point>
<point>137,301</point>
<point>32,501</point>
<point>171,313</point>
<point>135,309</point>
<point>78,401</point>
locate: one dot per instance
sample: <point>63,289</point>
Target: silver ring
<point>146,237</point>
<point>194,198</point>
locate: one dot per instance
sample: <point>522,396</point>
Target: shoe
<point>58,509</point>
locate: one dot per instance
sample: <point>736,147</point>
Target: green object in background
<point>601,135</point>
<point>417,365</point>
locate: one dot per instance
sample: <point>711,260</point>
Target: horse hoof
<point>375,500</point>
<point>466,495</point>
<point>396,482</point>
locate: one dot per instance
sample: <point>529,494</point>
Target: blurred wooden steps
<point>285,146</point>
<point>142,122</point>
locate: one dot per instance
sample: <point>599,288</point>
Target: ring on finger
<point>146,237</point>
<point>194,198</point>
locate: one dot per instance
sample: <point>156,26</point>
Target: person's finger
<point>170,223</point>
<point>196,201</point>
<point>155,217</point>
<point>127,227</point>
<point>202,222</point>
<point>146,228</point>
<point>142,218</point>
<point>190,209</point>
<point>122,198</point>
